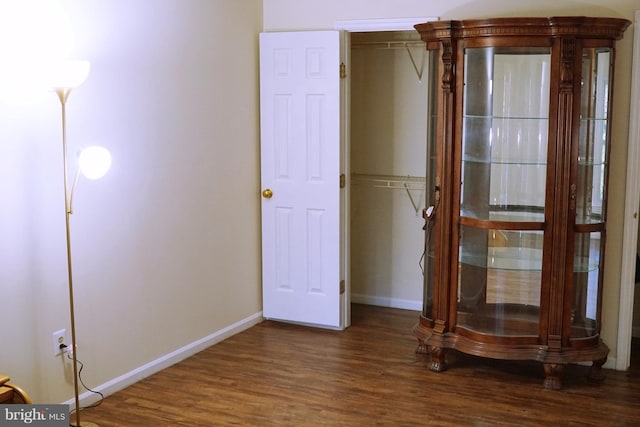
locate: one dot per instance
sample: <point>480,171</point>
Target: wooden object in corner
<point>11,393</point>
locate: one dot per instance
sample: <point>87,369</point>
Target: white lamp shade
<point>94,162</point>
<point>68,74</point>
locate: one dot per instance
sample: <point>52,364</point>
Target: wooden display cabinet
<point>518,162</point>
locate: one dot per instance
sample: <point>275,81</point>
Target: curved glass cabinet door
<point>432,126</point>
<point>505,128</point>
<point>591,189</point>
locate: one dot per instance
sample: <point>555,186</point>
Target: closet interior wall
<point>388,166</point>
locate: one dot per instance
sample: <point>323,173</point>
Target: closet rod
<point>406,183</point>
<point>399,182</point>
<point>387,45</point>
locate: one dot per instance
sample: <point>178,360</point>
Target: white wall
<point>167,246</point>
<point>290,15</point>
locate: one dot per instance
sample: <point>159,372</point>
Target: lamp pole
<point>63,94</point>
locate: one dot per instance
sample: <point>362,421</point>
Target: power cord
<point>99,402</point>
<point>428,215</point>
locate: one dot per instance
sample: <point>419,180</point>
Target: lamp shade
<point>94,162</point>
<point>68,74</point>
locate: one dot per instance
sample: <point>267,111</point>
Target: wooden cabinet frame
<point>553,328</point>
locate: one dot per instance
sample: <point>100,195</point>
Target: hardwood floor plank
<point>277,374</point>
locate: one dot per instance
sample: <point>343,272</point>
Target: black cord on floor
<point>86,388</point>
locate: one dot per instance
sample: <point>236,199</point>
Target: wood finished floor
<point>277,374</point>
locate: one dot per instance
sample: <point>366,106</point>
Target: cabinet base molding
<point>554,361</point>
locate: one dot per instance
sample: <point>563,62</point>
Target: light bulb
<point>68,73</point>
<point>94,162</point>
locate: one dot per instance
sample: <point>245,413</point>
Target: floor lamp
<point>67,76</point>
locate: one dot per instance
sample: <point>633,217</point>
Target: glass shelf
<point>505,161</point>
<point>520,259</point>
<point>582,162</point>
<point>499,117</point>
<point>518,214</point>
<point>508,140</point>
<point>585,265</point>
<point>506,258</point>
<point>509,213</point>
<point>591,219</point>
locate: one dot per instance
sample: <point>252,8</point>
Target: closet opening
<point>387,162</point>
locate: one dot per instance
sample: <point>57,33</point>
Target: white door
<point>300,160</point>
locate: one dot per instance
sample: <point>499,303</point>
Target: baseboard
<point>165,361</point>
<point>155,366</point>
<point>611,363</point>
<point>387,302</point>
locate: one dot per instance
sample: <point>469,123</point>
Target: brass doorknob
<point>267,193</point>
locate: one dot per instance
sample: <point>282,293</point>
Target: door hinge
<point>343,180</point>
<point>342,287</point>
<point>343,70</point>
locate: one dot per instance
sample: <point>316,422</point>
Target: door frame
<point>630,224</point>
<point>390,24</point>
<point>346,27</point>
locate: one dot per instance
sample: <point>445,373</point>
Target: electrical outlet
<point>59,337</point>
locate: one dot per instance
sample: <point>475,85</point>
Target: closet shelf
<point>393,40</point>
<point>388,44</point>
<point>406,182</point>
<point>386,40</point>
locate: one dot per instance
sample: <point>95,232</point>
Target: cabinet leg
<point>595,373</point>
<point>553,374</point>
<point>422,347</point>
<point>438,364</point>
